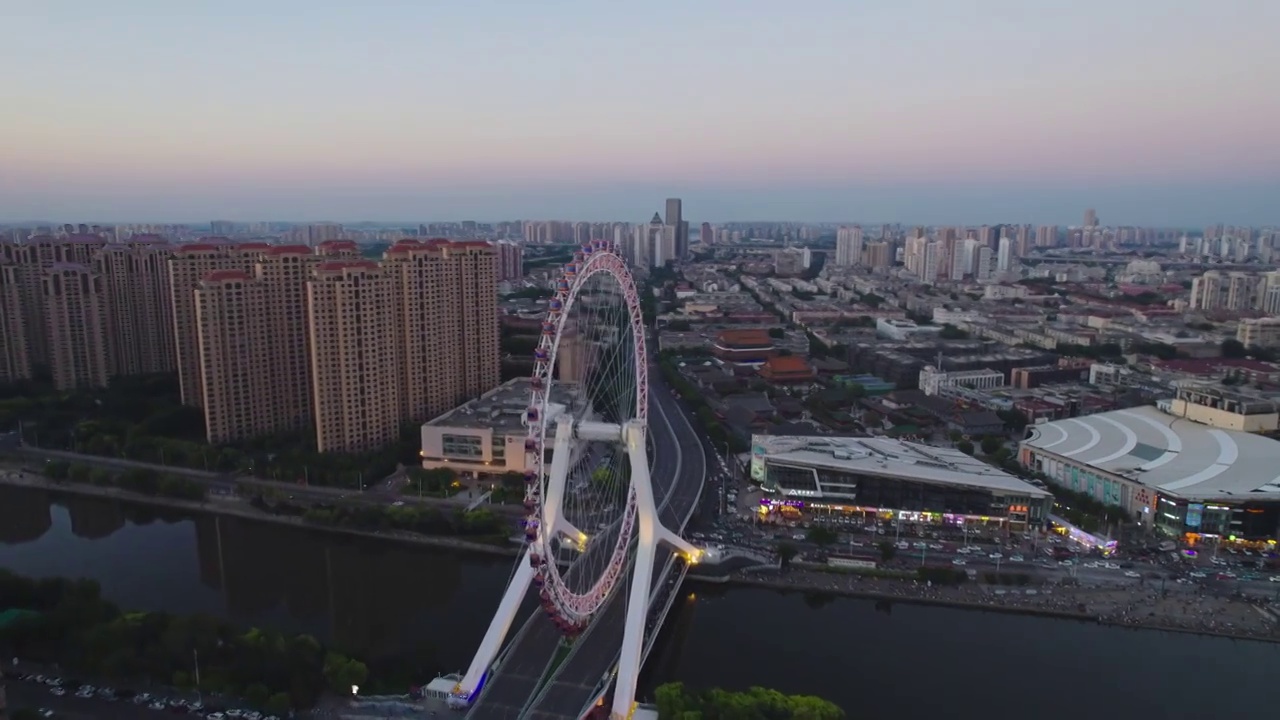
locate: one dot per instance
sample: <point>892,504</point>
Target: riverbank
<point>234,506</point>
<point>1144,609</point>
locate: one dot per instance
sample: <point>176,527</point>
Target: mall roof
<point>891,458</point>
<point>1168,453</point>
<point>502,409</point>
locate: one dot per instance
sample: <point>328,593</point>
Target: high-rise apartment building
<point>707,234</point>
<point>189,265</point>
<point>232,341</point>
<point>879,255</point>
<point>447,323</point>
<point>140,305</point>
<point>352,314</point>
<point>1004,255</point>
<point>1047,236</point>
<point>849,246</point>
<point>1091,218</point>
<point>15,358</point>
<point>510,261</point>
<point>283,271</point>
<point>75,315</point>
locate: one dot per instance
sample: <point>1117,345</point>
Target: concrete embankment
<point>802,586</point>
<point>237,507</point>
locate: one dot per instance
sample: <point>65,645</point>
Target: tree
<point>341,673</point>
<point>990,444</point>
<point>887,551</point>
<point>821,536</point>
<point>279,704</point>
<point>57,470</point>
<point>965,447</point>
<point>79,473</point>
<point>786,553</point>
<point>1232,348</point>
<point>777,333</point>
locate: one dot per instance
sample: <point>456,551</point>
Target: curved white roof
<point>1168,453</point>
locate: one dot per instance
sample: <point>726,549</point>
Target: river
<point>397,604</point>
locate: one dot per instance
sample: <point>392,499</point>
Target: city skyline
<point>819,110</point>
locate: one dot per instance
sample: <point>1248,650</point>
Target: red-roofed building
<point>783,369</point>
<point>744,346</point>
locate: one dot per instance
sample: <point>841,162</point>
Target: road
<point>510,690</point>
<point>382,492</point>
<point>596,653</point>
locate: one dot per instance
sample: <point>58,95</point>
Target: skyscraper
<point>679,229</point>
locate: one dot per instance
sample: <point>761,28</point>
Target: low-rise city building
<point>893,480</point>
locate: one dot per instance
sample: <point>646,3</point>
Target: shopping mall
<point>1180,477</point>
<point>892,479</point>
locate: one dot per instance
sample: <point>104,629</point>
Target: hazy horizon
<point>914,111</point>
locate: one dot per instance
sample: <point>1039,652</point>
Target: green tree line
<point>139,480</point>
<point>72,625</point>
<point>142,418</point>
<point>676,702</point>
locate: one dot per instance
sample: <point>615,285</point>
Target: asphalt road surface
<point>677,456</point>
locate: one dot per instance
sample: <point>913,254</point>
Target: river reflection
<point>375,599</point>
<point>427,608</point>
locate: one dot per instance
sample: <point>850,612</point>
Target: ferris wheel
<point>589,387</point>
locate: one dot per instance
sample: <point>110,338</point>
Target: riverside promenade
<point>233,505</point>
<point>1186,609</point>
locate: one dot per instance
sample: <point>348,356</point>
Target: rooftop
<point>501,409</point>
<point>1167,453</point>
<point>891,458</point>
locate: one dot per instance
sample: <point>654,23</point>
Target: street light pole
<point>195,655</point>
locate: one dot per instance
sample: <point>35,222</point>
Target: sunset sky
<point>929,111</point>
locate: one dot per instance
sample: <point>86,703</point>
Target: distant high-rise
<point>1004,258</point>
<point>1047,236</point>
<point>679,229</point>
<point>707,234</point>
<point>849,246</point>
<point>879,255</point>
<point>1090,218</point>
<point>510,261</point>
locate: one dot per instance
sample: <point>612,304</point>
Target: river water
<point>427,608</point>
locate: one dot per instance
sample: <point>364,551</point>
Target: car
<point>1274,578</point>
<point>1017,558</point>
<point>1132,574</point>
<point>1197,575</point>
<point>58,692</point>
<point>46,713</point>
<point>957,561</point>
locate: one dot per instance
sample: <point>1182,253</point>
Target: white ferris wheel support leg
<point>558,476</point>
<point>650,534</point>
<point>499,626</point>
